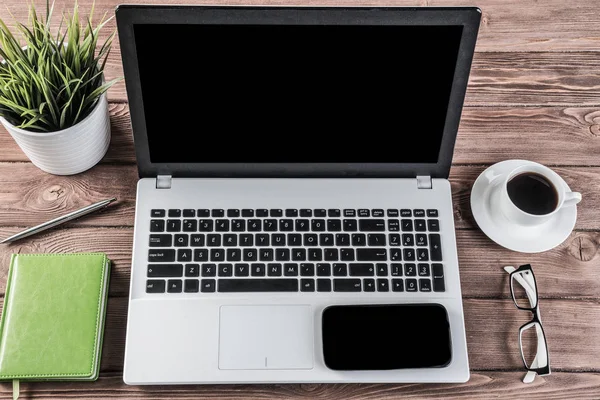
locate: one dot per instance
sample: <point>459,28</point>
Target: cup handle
<point>571,198</point>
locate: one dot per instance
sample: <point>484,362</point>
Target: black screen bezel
<point>129,15</point>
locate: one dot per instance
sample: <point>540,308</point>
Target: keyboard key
<point>203,213</point>
<point>424,285</point>
<point>207,286</point>
<point>262,212</point>
<point>359,239</point>
<point>217,255</point>
<point>305,212</point>
<point>320,212</point>
<point>278,239</point>
<point>323,269</point>
<point>364,213</point>
<point>209,270</point>
<point>392,213</point>
<point>266,255</point>
<point>396,269</point>
<point>343,239</point>
<point>420,225</point>
<point>276,212</point>
<point>318,225</point>
<point>307,269</point>
<point>405,213</point>
<point>242,269</point>
<point>340,269</point>
<point>258,269</point>
<point>299,254</point>
<point>282,254</point>
<point>323,285</point>
<point>410,270</point>
<point>192,270</point>
<point>233,213</point>
<point>435,246</point>
<point>270,225</point>
<point>189,213</point>
<point>157,225</point>
<point>395,255</point>
<point>160,241</point>
<point>334,213</point>
<point>258,285</point>
<point>419,213</point>
<point>246,240</point>
<point>174,213</point>
<point>165,270</point>
<point>347,255</point>
<point>225,270</point>
<point>362,269</point>
<point>229,240</point>
<point>191,286</point>
<point>205,225</point>
<point>423,269</point>
<point>397,285</point>
<point>218,213</point>
<point>234,255</point>
<point>377,213</point>
<point>238,225</point>
<point>163,255</point>
<point>409,254</point>
<point>371,225</point>
<point>330,254</point>
<point>326,239</point>
<point>350,225</point>
<point>334,225</point>
<point>290,269</point>
<point>376,239</point>
<point>315,254</point>
<point>254,225</point>
<point>274,269</point>
<point>383,285</point>
<point>213,240</point>
<point>302,225</point>
<point>394,239</point>
<point>393,225</point>
<point>173,225</point>
<point>155,286</point>
<point>349,212</point>
<point>197,240</point>
<point>421,239</point>
<point>157,213</point>
<point>438,278</point>
<point>432,213</point>
<point>422,255</point>
<point>190,225</point>
<point>371,254</point>
<point>247,212</point>
<point>433,225</point>
<point>200,254</point>
<point>406,225</point>
<point>307,285</point>
<point>262,239</point>
<point>408,239</point>
<point>346,285</point>
<point>369,285</point>
<point>286,225</point>
<point>174,286</point>
<point>222,225</point>
<point>411,285</point>
<point>181,240</point>
<point>250,255</point>
<point>382,269</point>
<point>291,212</point>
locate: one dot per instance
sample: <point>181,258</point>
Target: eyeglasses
<point>532,339</point>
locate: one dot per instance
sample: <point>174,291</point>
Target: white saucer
<point>486,211</point>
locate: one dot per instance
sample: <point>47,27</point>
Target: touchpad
<point>266,337</point>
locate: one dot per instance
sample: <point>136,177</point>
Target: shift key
<point>161,255</point>
<point>371,254</point>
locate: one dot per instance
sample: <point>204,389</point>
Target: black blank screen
<point>295,93</point>
<point>386,337</point>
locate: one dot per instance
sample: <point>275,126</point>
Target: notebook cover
<point>53,316</point>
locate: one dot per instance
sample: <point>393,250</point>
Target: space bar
<point>258,285</point>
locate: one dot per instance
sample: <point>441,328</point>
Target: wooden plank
<point>486,135</point>
<point>29,196</point>
<point>568,271</point>
<point>507,25</point>
<point>572,328</point>
<point>483,384</point>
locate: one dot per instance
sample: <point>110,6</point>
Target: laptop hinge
<point>423,182</point>
<point>163,182</point>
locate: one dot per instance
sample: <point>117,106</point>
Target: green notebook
<point>53,316</point>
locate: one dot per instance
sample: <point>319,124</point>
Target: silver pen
<point>60,220</point>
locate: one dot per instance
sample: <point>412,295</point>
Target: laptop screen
<point>295,93</point>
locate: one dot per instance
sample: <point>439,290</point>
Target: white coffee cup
<point>566,198</point>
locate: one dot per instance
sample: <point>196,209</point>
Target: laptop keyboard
<point>306,250</point>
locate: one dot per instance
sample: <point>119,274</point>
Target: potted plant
<point>53,93</point>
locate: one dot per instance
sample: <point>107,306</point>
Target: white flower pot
<point>69,151</point>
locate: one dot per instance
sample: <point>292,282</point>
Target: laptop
<point>294,218</point>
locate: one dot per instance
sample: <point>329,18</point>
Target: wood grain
<point>568,271</point>
<point>571,136</point>
<point>482,385</point>
<point>572,328</point>
<point>29,196</point>
<point>507,25</point>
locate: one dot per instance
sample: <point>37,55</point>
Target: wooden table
<point>534,94</point>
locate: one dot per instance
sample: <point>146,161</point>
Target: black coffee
<point>533,193</point>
